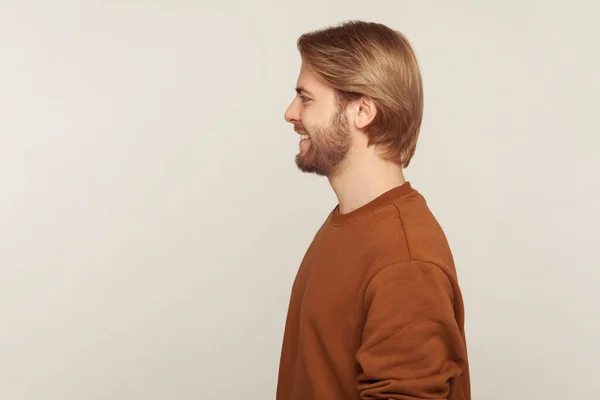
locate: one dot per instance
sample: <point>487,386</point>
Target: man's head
<point>359,86</point>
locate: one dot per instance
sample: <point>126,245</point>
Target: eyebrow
<point>301,89</point>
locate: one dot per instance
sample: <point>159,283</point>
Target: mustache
<point>300,129</point>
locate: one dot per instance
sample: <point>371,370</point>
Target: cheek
<point>308,123</point>
<point>312,123</point>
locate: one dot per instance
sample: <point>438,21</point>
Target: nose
<point>292,114</point>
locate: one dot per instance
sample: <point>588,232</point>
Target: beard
<point>329,147</point>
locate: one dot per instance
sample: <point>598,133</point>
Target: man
<point>376,310</point>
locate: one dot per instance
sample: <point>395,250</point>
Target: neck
<point>361,181</point>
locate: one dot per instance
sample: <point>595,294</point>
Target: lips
<point>303,134</point>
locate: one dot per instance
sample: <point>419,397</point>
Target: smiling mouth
<point>304,137</point>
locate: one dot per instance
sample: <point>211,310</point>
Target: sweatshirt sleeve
<point>412,343</point>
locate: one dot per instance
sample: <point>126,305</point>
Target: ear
<point>366,112</point>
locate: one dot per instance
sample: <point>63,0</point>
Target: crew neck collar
<point>338,218</point>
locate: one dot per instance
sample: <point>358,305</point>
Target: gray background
<point>152,218</point>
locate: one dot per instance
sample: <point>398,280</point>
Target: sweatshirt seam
<point>390,265</point>
<point>403,230</point>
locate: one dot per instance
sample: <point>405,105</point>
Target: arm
<point>412,343</point>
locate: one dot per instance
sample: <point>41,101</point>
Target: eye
<point>304,99</point>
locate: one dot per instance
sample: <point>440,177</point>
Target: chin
<point>311,168</point>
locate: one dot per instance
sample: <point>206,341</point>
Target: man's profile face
<point>315,112</point>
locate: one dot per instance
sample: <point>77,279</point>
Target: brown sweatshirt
<point>376,311</point>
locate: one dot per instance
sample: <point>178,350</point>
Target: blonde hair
<point>360,58</point>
